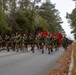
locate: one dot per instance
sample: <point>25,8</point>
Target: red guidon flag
<point>60,37</point>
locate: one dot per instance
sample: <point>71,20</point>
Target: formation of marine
<point>18,42</point>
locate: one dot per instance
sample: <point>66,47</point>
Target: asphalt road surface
<point>28,63</point>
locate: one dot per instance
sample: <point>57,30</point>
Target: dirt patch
<point>64,61</point>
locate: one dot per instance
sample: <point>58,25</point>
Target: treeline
<point>72,21</point>
<point>26,16</point>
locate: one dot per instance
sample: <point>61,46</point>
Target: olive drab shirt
<point>41,39</point>
<point>56,40</point>
<point>12,39</point>
<point>21,40</point>
<point>65,41</point>
<point>17,38</point>
<point>31,39</point>
<point>49,40</point>
<point>1,39</point>
<point>25,39</point>
<point>7,40</point>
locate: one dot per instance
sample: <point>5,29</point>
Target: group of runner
<point>18,42</point>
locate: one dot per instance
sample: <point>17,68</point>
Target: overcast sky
<point>65,6</point>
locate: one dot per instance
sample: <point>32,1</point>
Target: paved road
<point>13,63</point>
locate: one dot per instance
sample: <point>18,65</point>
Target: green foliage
<point>72,20</point>
<point>42,23</point>
<point>3,24</point>
<point>51,15</point>
<point>24,16</point>
<point>24,20</point>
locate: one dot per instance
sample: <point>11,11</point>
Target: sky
<point>64,6</point>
